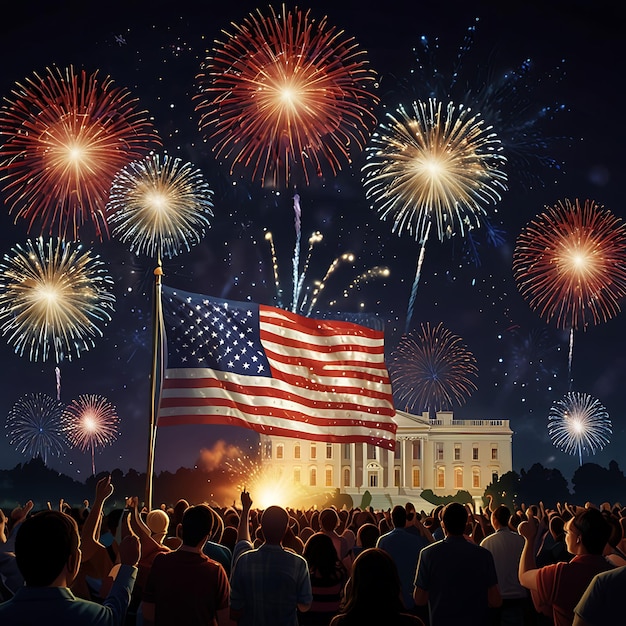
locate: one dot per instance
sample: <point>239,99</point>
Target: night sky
<point>155,49</point>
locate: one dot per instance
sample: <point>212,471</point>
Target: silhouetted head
<point>374,587</point>
<point>45,543</point>
<point>329,520</point>
<point>454,518</point>
<point>274,523</point>
<point>320,553</point>
<point>196,525</point>
<point>398,516</point>
<point>501,516</point>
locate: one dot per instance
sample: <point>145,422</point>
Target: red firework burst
<point>65,136</point>
<point>286,93</point>
<point>570,264</point>
<point>432,370</point>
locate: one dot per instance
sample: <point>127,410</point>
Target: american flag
<point>273,371</point>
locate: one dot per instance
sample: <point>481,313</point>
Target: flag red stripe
<point>274,412</point>
<point>230,420</point>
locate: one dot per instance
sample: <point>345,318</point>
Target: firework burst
<point>286,93</point>
<point>432,370</point>
<point>35,426</point>
<point>160,208</point>
<point>570,264</point>
<point>579,423</point>
<point>509,101</point>
<point>65,135</point>
<point>91,422</point>
<point>435,166</point>
<point>53,299</point>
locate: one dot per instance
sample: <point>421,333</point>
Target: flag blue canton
<point>216,334</point>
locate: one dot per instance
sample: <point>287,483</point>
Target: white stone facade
<point>445,455</point>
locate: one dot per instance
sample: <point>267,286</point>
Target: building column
<point>428,465</point>
<point>364,465</point>
<point>353,465</point>
<point>391,470</point>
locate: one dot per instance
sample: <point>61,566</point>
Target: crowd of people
<point>195,564</point>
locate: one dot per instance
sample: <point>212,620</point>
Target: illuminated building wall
<point>444,455</point>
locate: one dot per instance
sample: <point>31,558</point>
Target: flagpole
<point>157,357</point>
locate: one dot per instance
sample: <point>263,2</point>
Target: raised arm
<point>527,571</point>
<point>90,534</point>
<point>243,528</point>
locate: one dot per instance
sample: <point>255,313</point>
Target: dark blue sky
<point>155,49</point>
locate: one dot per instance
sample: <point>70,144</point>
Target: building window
<point>346,477</point>
<point>396,477</point>
<point>417,477</point>
<point>313,451</point>
<point>373,479</point>
<point>347,451</point>
<point>296,475</point>
<point>267,449</point>
<point>458,478</point>
<point>371,451</point>
<point>439,451</point>
<point>280,451</point>
<point>475,453</point>
<point>417,450</point>
<point>441,478</point>
<point>329,477</point>
<point>494,477</point>
<point>457,451</point>
<point>397,452</point>
<point>296,451</point>
<point>494,453</point>
<point>476,479</point>
<point>313,477</point>
<point>329,450</point>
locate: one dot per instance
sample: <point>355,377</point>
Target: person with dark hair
<point>213,548</point>
<point>185,586</point>
<point>404,548</point>
<point>455,578</point>
<point>329,522</point>
<point>328,577</point>
<point>373,593</point>
<point>47,550</point>
<point>506,548</point>
<point>269,584</point>
<point>556,588</point>
<point>366,537</point>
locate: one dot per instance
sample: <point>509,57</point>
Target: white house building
<point>444,455</point>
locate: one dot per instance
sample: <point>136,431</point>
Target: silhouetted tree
<point>544,484</point>
<point>504,490</point>
<point>596,484</point>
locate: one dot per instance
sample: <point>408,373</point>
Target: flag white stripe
<point>272,384</point>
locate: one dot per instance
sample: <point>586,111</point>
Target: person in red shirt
<point>185,586</point>
<point>557,588</point>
